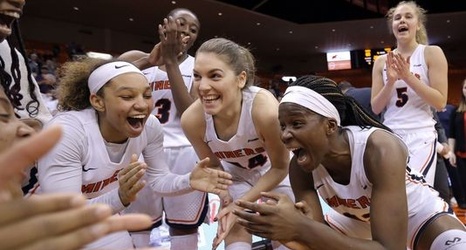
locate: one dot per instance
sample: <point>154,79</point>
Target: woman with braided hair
<point>16,79</point>
<point>360,169</point>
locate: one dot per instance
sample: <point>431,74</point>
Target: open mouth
<point>402,29</point>
<point>136,121</point>
<point>7,18</point>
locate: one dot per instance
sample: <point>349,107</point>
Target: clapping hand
<point>130,179</point>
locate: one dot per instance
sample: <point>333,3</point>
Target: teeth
<point>139,116</point>
<point>210,98</point>
<point>11,14</point>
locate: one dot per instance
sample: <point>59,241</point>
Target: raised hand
<point>60,221</point>
<point>209,180</point>
<point>130,179</point>
<point>392,74</point>
<point>172,43</point>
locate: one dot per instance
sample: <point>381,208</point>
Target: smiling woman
<point>105,111</point>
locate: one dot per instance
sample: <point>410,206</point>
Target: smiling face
<point>10,10</point>
<point>304,133</point>
<point>218,86</point>
<point>124,107</point>
<point>189,24</point>
<point>405,22</point>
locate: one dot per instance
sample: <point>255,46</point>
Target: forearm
<point>110,198</point>
<point>320,236</point>
<point>380,101</point>
<point>181,95</point>
<point>430,95</point>
<point>452,143</point>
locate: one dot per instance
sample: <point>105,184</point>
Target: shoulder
<point>153,128</point>
<point>382,143</point>
<point>433,53</point>
<point>264,108</point>
<point>380,62</point>
<point>193,116</point>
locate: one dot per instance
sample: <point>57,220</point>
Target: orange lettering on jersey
<point>359,203</point>
<point>159,85</point>
<point>239,153</point>
<point>97,186</point>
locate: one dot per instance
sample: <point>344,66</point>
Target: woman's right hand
<point>130,179</point>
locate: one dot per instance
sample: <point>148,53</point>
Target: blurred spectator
<point>457,142</point>
<point>361,95</point>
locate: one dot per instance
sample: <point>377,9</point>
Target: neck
<point>407,48</point>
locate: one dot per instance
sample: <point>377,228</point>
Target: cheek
<point>6,139</point>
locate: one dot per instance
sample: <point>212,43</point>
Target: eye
<point>197,77</point>
<point>297,124</point>
<point>126,97</point>
<point>4,117</point>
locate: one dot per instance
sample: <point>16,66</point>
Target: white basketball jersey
<point>42,112</point>
<point>406,109</point>
<point>245,149</point>
<point>164,105</point>
<point>354,199</point>
<point>99,173</point>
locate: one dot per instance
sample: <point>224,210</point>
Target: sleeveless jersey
<point>406,109</point>
<point>245,149</point>
<point>164,105</point>
<point>41,111</point>
<point>354,199</point>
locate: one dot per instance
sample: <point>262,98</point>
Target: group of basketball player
<point>216,132</point>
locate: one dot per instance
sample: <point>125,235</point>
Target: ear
<point>332,126</point>
<point>97,102</point>
<point>242,77</point>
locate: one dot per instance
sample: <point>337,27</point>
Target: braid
<point>5,80</point>
<point>32,106</point>
<point>351,112</point>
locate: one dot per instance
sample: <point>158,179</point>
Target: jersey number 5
<point>402,94</point>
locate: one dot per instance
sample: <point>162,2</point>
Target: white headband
<point>312,100</point>
<point>100,76</point>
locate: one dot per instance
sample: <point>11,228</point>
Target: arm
<point>265,118</point>
<point>194,127</point>
<point>381,92</point>
<point>139,58</point>
<point>61,169</point>
<point>389,213</point>
<point>451,137</point>
<point>171,45</point>
<point>167,183</point>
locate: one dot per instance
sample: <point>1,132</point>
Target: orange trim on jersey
<point>198,214</point>
<point>429,159</point>
<point>327,219</point>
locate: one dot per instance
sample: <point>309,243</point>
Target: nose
<point>202,85</point>
<point>143,103</point>
<point>24,130</point>
<point>285,135</point>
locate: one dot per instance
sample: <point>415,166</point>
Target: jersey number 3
<point>163,109</point>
